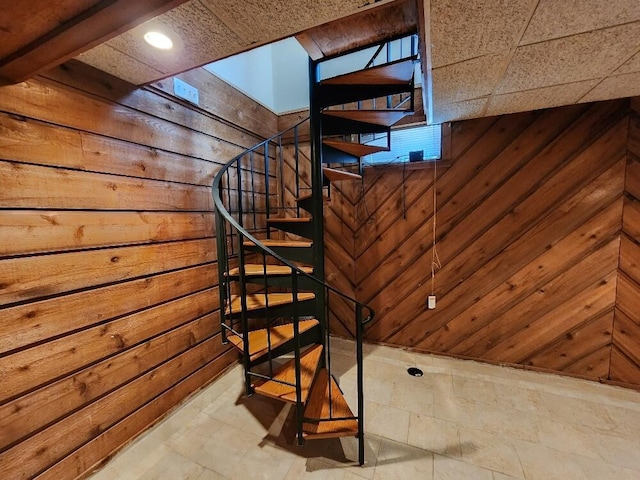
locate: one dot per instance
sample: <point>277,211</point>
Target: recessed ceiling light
<point>158,40</point>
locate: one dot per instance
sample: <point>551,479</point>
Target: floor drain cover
<point>415,372</point>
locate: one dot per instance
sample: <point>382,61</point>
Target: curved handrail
<point>221,210</point>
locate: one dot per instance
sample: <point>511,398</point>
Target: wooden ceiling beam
<point>92,27</point>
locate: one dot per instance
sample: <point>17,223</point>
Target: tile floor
<point>462,420</point>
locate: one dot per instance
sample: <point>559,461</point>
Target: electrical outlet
<point>431,302</point>
<point>184,90</point>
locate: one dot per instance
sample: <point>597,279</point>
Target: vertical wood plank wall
<point>625,354</point>
<point>530,234</point>
<point>108,301</point>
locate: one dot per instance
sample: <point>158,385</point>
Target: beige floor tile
<point>493,452</point>
<point>576,410</point>
<point>210,475</point>
<point>387,422</point>
<point>543,463</point>
<point>521,399</point>
<point>397,461</point>
<point>413,396</point>
<point>174,466</point>
<point>568,437</point>
<point>434,435</point>
<point>477,390</point>
<point>445,468</point>
<point>462,421</point>
<point>223,450</point>
<point>263,463</point>
<point>619,451</point>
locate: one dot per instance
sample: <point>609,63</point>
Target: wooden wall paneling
<point>21,278</point>
<point>462,182</point>
<point>594,301</point>
<point>106,188</point>
<point>596,365</point>
<point>25,140</point>
<point>623,369</point>
<point>34,322</point>
<point>551,294</point>
<point>31,186</point>
<point>542,183</point>
<point>625,354</point>
<point>101,447</point>
<point>468,329</point>
<point>562,238</point>
<point>48,446</point>
<point>573,351</point>
<point>218,96</point>
<point>626,334</point>
<point>212,119</point>
<point>39,231</point>
<point>57,104</point>
<point>470,182</point>
<point>632,178</point>
<point>631,218</point>
<point>27,369</point>
<point>41,407</point>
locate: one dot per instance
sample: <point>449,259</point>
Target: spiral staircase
<point>269,228</point>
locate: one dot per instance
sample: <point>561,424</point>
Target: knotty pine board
<point>108,288</point>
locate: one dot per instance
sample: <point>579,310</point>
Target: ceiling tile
<point>619,86</point>
<point>631,65</point>
<point>116,63</point>
<point>459,110</point>
<point>257,21</point>
<point>201,38</point>
<point>570,59</point>
<point>546,97</point>
<point>464,29</point>
<point>469,79</point>
<point>560,18</point>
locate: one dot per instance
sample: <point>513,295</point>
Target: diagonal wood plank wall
<point>625,355</point>
<point>530,235</point>
<point>108,301</point>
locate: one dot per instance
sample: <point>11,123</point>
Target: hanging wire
<point>435,259</point>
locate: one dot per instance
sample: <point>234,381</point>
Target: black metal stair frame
<point>263,297</point>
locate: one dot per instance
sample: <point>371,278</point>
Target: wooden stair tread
<point>309,361</point>
<point>395,73</point>
<point>384,118</point>
<point>355,149</point>
<point>258,269</point>
<point>258,339</point>
<point>281,243</point>
<point>258,301</point>
<point>318,408</point>
<point>289,220</point>
<point>337,175</point>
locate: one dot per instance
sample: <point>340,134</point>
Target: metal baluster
<point>266,183</point>
<point>296,154</point>
<point>360,381</point>
<point>296,334</point>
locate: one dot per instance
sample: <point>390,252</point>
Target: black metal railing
<point>244,201</point>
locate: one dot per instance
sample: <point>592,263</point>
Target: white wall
<point>250,72</point>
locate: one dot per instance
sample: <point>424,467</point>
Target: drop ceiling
<point>481,57</point>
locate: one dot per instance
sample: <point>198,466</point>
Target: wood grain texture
<point>108,269</point>
<point>625,356</point>
<point>536,266</point>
